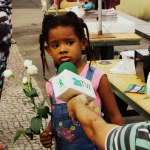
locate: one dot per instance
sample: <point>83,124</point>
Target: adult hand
<point>73,105</point>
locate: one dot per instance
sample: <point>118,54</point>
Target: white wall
<point>137,8</point>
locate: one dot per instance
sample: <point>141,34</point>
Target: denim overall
<point>69,135</point>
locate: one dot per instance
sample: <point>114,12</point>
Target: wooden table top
<point>120,81</point>
<point>53,12</point>
<point>115,37</point>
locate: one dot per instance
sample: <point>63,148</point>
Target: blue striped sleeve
<point>134,136</point>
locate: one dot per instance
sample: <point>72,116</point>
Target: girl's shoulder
<point>96,71</point>
<point>97,74</point>
<point>93,73</point>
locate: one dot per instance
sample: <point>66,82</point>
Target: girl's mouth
<point>65,58</point>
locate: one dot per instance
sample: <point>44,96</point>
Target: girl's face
<point>64,45</point>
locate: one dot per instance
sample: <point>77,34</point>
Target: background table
<point>53,12</point>
<point>119,82</point>
<point>103,48</point>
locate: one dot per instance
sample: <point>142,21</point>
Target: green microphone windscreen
<point>69,66</point>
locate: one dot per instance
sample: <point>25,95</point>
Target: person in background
<point>5,37</point>
<point>88,4</point>
<point>93,4</point>
<point>64,37</point>
<point>135,136</point>
<point>5,40</point>
<point>50,4</point>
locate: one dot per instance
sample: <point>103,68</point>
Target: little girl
<point>63,37</point>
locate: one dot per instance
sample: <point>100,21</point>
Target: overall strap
<point>90,73</point>
<point>53,97</point>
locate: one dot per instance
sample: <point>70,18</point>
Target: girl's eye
<point>55,45</point>
<point>70,42</point>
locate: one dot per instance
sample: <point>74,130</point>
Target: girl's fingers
<point>48,131</point>
<point>44,134</point>
<point>46,141</point>
<point>47,145</point>
<point>43,139</point>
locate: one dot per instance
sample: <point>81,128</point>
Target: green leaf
<point>18,133</point>
<point>29,133</point>
<point>47,109</point>
<point>33,93</point>
<point>36,124</point>
<point>37,133</point>
<point>26,93</point>
<point>43,113</point>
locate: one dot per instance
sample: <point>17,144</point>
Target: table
<point>53,12</point>
<point>104,47</point>
<point>119,82</point>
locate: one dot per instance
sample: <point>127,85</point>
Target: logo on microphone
<point>60,83</point>
<point>81,83</point>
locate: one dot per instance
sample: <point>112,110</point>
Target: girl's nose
<point>63,49</point>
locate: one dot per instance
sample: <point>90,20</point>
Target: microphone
<point>69,66</point>
<point>68,83</point>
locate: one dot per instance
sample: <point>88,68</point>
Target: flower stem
<point>18,82</point>
<point>30,82</point>
<point>33,102</point>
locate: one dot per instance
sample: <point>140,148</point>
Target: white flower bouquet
<point>40,111</point>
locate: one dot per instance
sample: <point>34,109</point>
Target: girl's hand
<point>46,138</point>
<point>80,99</point>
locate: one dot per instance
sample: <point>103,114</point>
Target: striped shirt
<point>5,29</point>
<point>6,6</point>
<point>135,136</point>
<point>5,37</point>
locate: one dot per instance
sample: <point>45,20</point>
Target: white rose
<point>27,63</point>
<point>7,73</point>
<point>32,69</point>
<point>24,80</point>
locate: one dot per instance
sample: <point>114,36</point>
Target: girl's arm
<point>47,135</point>
<point>109,102</point>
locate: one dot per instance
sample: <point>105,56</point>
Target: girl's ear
<point>84,43</point>
<point>47,50</point>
